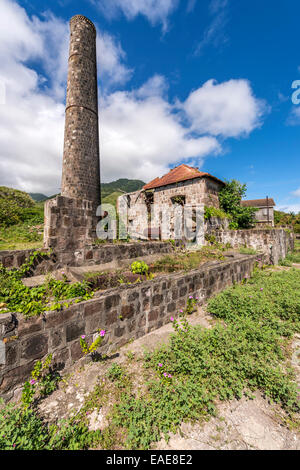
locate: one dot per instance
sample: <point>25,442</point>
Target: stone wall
<point>70,223</point>
<point>14,258</point>
<point>274,243</point>
<point>215,223</point>
<point>108,255</point>
<point>125,312</point>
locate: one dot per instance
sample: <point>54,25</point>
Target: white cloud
<point>296,193</point>
<point>294,117</point>
<point>141,136</point>
<point>156,11</point>
<point>289,208</point>
<point>109,57</point>
<point>214,34</point>
<point>155,86</point>
<point>228,109</point>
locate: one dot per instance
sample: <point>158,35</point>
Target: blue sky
<point>208,83</point>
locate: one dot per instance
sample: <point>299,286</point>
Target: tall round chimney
<point>81,168</point>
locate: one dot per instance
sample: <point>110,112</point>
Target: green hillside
<point>122,185</point>
<point>111,198</point>
<point>21,220</point>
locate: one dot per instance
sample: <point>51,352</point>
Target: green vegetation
<point>32,301</point>
<point>112,198</point>
<point>13,204</point>
<point>247,251</point>
<point>86,349</point>
<point>230,201</point>
<point>21,220</point>
<point>122,185</point>
<point>139,267</point>
<point>186,378</point>
<point>21,427</point>
<point>292,219</point>
<point>292,257</point>
<point>210,212</point>
<point>189,260</point>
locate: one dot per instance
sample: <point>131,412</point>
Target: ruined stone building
<point>182,186</point>
<point>265,210</point>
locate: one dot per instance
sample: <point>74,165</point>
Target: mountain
<point>37,197</point>
<point>122,185</point>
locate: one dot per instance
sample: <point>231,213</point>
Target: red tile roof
<point>179,173</point>
<point>259,203</point>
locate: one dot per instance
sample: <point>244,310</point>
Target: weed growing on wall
<point>31,301</point>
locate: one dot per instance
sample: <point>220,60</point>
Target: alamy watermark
<point>296,94</point>
<point>154,221</point>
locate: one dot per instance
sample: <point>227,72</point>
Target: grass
<point>247,251</point>
<point>112,198</point>
<point>260,318</point>
<point>295,256</point>
<point>190,260</point>
<point>28,233</point>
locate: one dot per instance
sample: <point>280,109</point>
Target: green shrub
<point>230,201</point>
<point>12,205</point>
<point>210,212</point>
<point>285,262</point>
<point>139,267</point>
<point>32,301</point>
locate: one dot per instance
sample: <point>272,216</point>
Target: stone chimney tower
<point>81,172</point>
<point>70,219</point>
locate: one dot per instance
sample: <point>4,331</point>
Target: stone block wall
<point>70,223</point>
<point>107,255</point>
<point>126,312</point>
<point>274,243</point>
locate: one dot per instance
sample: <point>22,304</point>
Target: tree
<point>230,201</point>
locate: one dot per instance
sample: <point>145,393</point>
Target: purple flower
<point>181,311</point>
<point>32,381</point>
<point>82,336</point>
<point>170,376</point>
<point>165,374</point>
<point>190,297</point>
<point>160,365</point>
<point>172,318</point>
<point>261,289</point>
<point>102,333</point>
